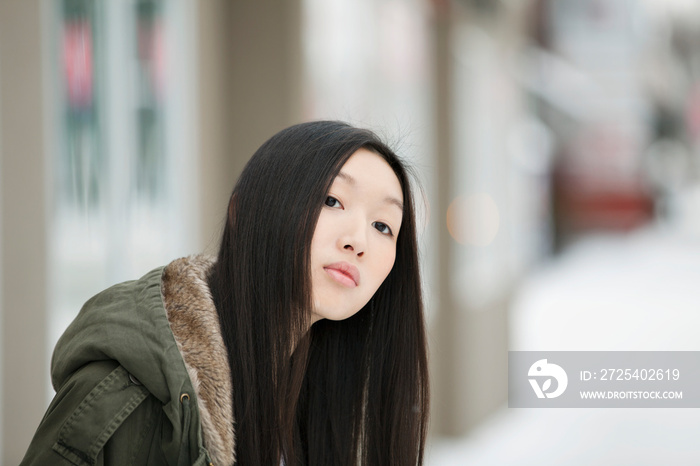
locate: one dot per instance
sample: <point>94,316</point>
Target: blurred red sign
<point>77,62</point>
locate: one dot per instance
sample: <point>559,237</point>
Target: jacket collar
<point>195,324</point>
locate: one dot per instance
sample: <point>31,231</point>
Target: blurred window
<point>119,162</point>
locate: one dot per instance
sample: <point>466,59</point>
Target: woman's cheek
<point>389,264</point>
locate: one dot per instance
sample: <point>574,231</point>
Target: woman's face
<point>354,244</point>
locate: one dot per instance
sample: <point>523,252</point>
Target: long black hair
<point>345,392</point>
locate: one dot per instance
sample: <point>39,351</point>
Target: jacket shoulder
<point>86,413</point>
<point>124,323</point>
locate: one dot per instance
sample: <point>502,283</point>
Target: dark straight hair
<point>347,392</point>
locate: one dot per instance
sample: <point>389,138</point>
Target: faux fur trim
<point>195,324</point>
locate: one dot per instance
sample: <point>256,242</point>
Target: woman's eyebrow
<point>346,177</point>
<point>394,201</point>
<point>388,200</point>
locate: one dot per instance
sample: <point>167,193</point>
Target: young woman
<point>303,342</point>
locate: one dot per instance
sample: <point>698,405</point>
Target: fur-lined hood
<point>195,325</point>
<point>163,330</point>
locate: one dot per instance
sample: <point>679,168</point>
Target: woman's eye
<point>383,228</point>
<point>332,202</point>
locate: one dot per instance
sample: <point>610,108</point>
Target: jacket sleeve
<point>98,417</point>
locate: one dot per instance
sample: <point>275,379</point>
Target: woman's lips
<point>344,273</point>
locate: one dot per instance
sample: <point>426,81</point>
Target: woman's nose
<point>354,240</point>
<point>350,247</point>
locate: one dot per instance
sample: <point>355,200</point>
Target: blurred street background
<point>556,142</point>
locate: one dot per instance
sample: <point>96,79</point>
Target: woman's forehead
<point>366,170</point>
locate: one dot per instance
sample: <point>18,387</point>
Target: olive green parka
<point>141,378</point>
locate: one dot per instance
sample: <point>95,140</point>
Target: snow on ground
<point>639,291</point>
